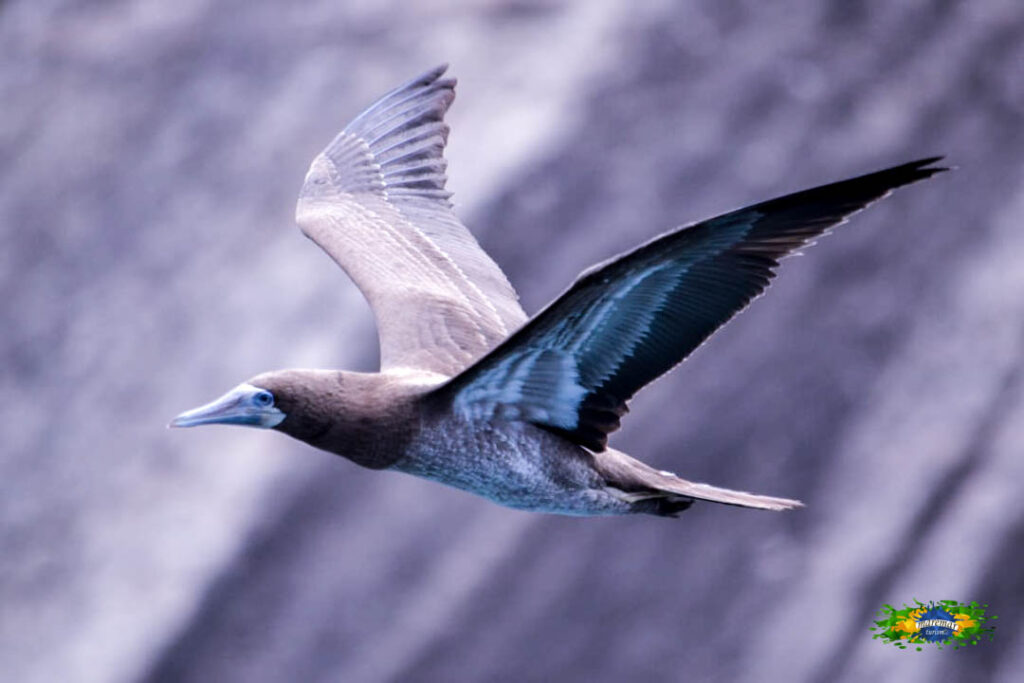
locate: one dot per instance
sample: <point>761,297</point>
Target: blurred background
<point>150,156</point>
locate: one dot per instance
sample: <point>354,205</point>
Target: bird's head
<point>267,400</point>
<point>248,404</point>
<point>315,406</point>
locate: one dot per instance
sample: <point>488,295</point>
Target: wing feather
<point>573,367</point>
<point>375,201</point>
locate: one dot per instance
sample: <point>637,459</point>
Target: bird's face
<point>247,404</point>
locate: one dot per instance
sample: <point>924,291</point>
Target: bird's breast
<point>511,463</point>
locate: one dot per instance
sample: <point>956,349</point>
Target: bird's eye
<point>263,398</point>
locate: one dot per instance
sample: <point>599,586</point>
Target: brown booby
<point>473,394</point>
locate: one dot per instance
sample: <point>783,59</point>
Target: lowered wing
<point>572,368</point>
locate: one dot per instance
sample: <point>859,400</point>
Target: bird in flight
<point>471,392</point>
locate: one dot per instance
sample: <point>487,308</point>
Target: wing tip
<point>429,78</point>
<point>424,79</point>
<point>417,87</point>
<point>921,168</point>
<point>438,71</point>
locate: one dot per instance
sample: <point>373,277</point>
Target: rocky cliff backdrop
<point>150,155</point>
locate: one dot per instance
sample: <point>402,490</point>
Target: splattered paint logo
<point>946,622</point>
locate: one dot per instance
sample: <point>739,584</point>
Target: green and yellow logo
<point>946,622</point>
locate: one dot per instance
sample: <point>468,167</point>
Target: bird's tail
<point>681,487</point>
<point>663,493</point>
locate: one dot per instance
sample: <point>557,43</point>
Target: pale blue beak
<point>244,405</point>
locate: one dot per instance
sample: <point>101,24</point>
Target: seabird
<point>472,393</point>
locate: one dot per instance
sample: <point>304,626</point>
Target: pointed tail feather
<point>663,493</point>
<point>680,487</point>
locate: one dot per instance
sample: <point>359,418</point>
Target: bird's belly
<point>513,464</point>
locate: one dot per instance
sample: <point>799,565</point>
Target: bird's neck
<point>365,417</point>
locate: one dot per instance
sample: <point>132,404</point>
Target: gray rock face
<point>150,153</point>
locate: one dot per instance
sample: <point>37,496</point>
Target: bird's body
<point>400,426</point>
<point>473,394</point>
<point>511,463</point>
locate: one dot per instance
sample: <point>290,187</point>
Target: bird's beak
<point>234,408</point>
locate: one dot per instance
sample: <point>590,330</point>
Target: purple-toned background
<point>150,155</point>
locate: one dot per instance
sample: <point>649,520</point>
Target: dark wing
<point>572,368</point>
<point>375,201</point>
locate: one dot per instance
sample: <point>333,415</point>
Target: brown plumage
<point>369,418</point>
<point>470,392</point>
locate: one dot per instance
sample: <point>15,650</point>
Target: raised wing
<point>374,200</point>
<point>574,366</point>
